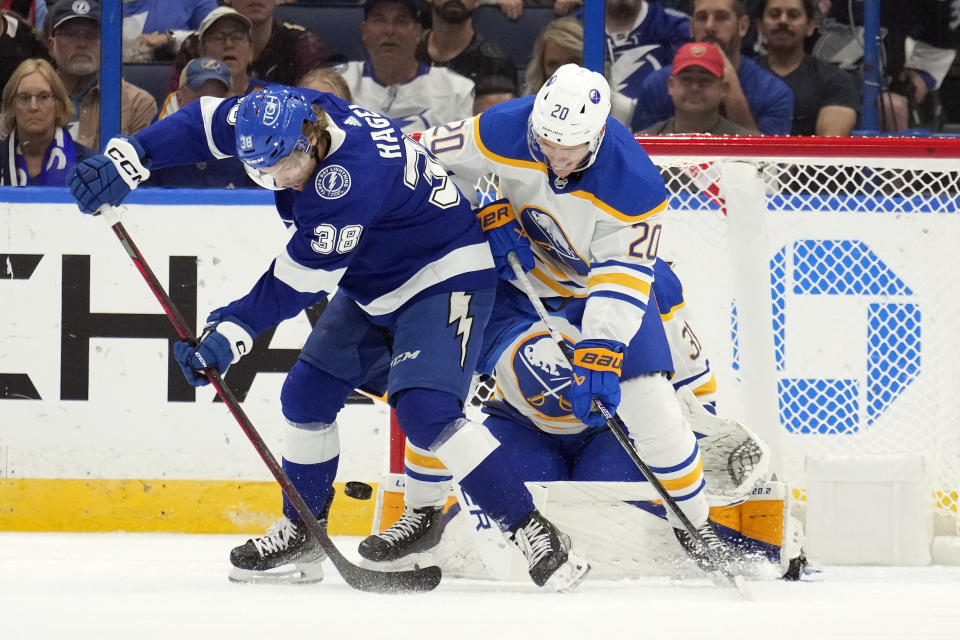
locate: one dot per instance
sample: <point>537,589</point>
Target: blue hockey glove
<point>505,235</point>
<point>108,177</point>
<point>222,344</point>
<point>596,372</point>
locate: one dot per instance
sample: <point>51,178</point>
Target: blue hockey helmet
<point>269,126</point>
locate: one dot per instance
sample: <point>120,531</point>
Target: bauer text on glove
<point>596,373</point>
<point>505,236</point>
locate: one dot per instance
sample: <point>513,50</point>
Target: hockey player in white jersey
<point>377,218</point>
<point>587,229</point>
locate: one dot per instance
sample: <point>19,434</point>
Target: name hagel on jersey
<point>372,250</point>
<point>594,233</point>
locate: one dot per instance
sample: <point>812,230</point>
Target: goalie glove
<point>503,232</point>
<point>222,343</point>
<point>108,177</point>
<point>596,373</point>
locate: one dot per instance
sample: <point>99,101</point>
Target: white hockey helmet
<point>570,109</point>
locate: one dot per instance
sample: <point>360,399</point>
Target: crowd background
<point>755,67</point>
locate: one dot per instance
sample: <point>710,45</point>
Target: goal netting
<point>820,274</point>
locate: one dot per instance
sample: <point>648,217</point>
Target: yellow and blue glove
<point>505,235</point>
<point>596,372</point>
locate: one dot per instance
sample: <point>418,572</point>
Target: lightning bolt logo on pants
<point>460,313</point>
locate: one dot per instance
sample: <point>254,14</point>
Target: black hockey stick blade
<point>415,580</point>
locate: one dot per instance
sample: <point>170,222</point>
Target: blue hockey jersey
<point>380,218</point>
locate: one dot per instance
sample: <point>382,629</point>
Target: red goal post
<point>821,275</point>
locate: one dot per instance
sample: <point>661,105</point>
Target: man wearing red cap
<point>697,88</point>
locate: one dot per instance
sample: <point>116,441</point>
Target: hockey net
<point>820,275</point>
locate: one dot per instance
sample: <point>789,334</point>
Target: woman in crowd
<point>37,149</point>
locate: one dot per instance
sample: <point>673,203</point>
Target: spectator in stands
<point>641,37</point>
<point>282,51</point>
<point>392,82</point>
<point>453,42</point>
<point>155,29</point>
<point>201,77</point>
<point>33,11</point>
<point>825,98</point>
<point>74,41</point>
<point>697,89</point>
<point>328,80</point>
<point>19,40</point>
<point>39,150</point>
<point>560,43</point>
<point>226,34</point>
<point>756,99</point>
<point>919,47</point>
<point>491,90</point>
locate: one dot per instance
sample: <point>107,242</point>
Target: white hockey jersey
<point>434,96</point>
<point>594,234</point>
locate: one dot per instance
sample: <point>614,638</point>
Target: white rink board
<point>126,428</point>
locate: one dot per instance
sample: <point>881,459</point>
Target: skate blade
<point>406,563</point>
<point>293,573</point>
<point>568,576</point>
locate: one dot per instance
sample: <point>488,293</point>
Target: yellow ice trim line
<point>170,506</point>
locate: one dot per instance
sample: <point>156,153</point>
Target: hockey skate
<point>287,553</point>
<point>547,549</point>
<point>417,531</point>
<point>718,554</point>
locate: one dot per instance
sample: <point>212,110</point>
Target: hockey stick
<point>360,578</point>
<point>619,431</point>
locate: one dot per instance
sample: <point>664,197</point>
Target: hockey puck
<point>358,490</point>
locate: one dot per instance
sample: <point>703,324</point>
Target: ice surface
<point>174,587</point>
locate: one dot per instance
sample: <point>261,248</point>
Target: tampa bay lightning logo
<point>543,375</point>
<point>594,96</point>
<point>547,234</point>
<point>80,7</point>
<point>332,182</point>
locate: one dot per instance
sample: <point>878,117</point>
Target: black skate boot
<point>717,555</point>
<point>547,549</point>
<point>416,531</point>
<point>287,553</point>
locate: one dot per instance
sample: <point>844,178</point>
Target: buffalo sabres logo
<point>543,375</point>
<point>271,110</point>
<point>547,234</point>
<point>332,182</point>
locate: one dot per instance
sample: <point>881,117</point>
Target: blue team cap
<point>410,4</point>
<point>199,70</point>
<point>66,10</point>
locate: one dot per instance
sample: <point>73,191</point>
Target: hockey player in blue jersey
<point>374,216</point>
<point>586,227</point>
